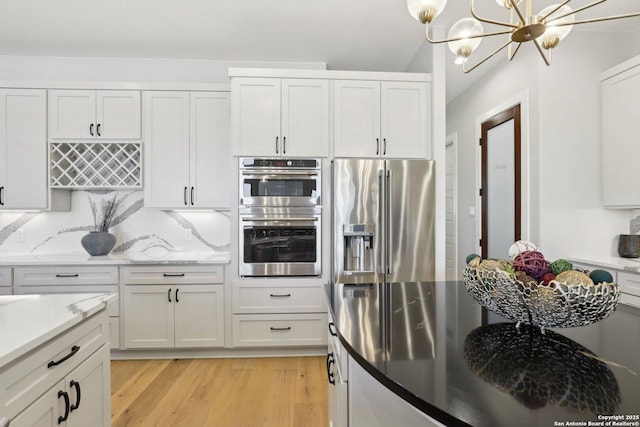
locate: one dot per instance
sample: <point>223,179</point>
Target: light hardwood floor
<point>279,392</point>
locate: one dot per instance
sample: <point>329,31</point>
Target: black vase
<point>98,242</point>
<point>629,245</point>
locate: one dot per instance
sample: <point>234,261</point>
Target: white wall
<point>43,68</point>
<point>563,133</point>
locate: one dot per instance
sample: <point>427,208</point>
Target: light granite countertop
<point>8,259</point>
<point>616,263</point>
<point>28,321</point>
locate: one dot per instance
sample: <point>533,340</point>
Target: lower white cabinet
<point>337,371</point>
<point>172,313</point>
<point>628,282</point>
<point>81,399</point>
<point>6,281</point>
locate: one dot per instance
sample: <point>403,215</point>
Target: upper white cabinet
<point>94,114</point>
<point>381,119</point>
<point>621,139</point>
<point>280,117</point>
<point>23,149</point>
<point>187,149</point>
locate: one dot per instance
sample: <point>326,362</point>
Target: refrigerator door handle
<point>389,219</point>
<point>381,267</point>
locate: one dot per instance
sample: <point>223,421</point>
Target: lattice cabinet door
<point>95,165</point>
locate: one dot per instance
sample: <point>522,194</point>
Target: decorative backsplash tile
<point>634,223</point>
<point>137,229</point>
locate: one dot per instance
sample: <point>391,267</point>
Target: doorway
<point>451,214</point>
<point>500,189</point>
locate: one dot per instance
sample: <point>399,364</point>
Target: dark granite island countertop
<point>435,347</point>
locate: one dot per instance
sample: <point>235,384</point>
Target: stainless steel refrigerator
<point>383,220</point>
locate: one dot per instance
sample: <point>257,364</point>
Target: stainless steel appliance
<point>383,220</point>
<point>280,182</point>
<point>280,226</point>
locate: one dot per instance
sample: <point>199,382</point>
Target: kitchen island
<point>434,347</point>
<point>54,359</point>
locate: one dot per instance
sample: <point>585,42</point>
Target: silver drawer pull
<point>279,295</point>
<point>67,275</point>
<point>287,328</point>
<point>173,274</point>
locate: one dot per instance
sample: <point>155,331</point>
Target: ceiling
<point>345,34</point>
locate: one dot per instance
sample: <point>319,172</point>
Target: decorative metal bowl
<point>557,304</point>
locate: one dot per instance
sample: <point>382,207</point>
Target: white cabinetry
<point>66,381</point>
<point>91,114</point>
<point>280,117</point>
<point>628,281</point>
<point>71,280</point>
<point>381,119</point>
<point>337,366</point>
<point>23,149</point>
<point>620,138</point>
<point>267,315</point>
<point>371,404</point>
<point>6,281</point>
<point>167,307</point>
<point>187,153</point>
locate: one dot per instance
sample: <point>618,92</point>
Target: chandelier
<point>545,29</point>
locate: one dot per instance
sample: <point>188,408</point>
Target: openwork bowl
<point>558,305</point>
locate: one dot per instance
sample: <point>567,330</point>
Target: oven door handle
<point>279,219</point>
<point>279,174</point>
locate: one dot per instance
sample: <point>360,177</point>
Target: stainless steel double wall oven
<point>280,220</point>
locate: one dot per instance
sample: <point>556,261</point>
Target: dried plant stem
<point>102,219</point>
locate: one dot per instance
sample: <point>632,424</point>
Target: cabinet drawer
<point>26,379</point>
<point>277,299</point>
<point>629,283</point>
<point>67,276</point>
<point>630,300</point>
<point>278,330</point>
<point>5,276</point>
<point>172,275</point>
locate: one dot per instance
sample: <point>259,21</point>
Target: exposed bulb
<point>425,11</point>
<point>464,28</point>
<point>555,34</point>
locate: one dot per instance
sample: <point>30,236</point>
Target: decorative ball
<point>528,280</point>
<point>471,257</point>
<point>521,246</point>
<point>490,265</point>
<point>560,265</point>
<point>532,263</point>
<point>573,277</point>
<point>507,266</point>
<point>601,276</point>
<point>548,277</point>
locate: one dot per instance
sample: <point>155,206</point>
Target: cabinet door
<point>45,411</point>
<point>72,114</point>
<point>305,117</point>
<point>405,119</point>
<point>199,316</point>
<point>148,316</point>
<point>620,139</point>
<point>90,391</point>
<point>210,150</point>
<point>356,118</point>
<point>118,114</point>
<point>166,149</point>
<point>23,149</point>
<point>255,105</point>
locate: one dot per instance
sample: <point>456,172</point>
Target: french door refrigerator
<point>383,220</point>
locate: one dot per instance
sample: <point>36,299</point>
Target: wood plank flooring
<point>279,392</point>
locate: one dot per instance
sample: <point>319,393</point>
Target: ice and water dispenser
<point>358,248</point>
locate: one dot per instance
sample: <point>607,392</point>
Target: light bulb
<point>464,28</point>
<point>554,34</point>
<point>425,10</point>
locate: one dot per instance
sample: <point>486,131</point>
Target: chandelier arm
<point>455,39</point>
<point>489,21</point>
<point>558,7</point>
<point>487,58</point>
<point>512,55</point>
<point>523,20</point>
<point>546,60</point>
<point>573,12</point>
<point>608,18</point>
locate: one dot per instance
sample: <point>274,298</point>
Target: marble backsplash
<point>137,229</point>
<point>634,223</point>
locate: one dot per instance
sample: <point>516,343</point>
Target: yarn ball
<point>532,263</point>
<point>521,246</point>
<point>560,265</point>
<point>548,277</point>
<point>573,277</point>
<point>601,276</point>
<point>470,257</point>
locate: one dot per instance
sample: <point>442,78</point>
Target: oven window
<point>279,244</point>
<point>256,187</point>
